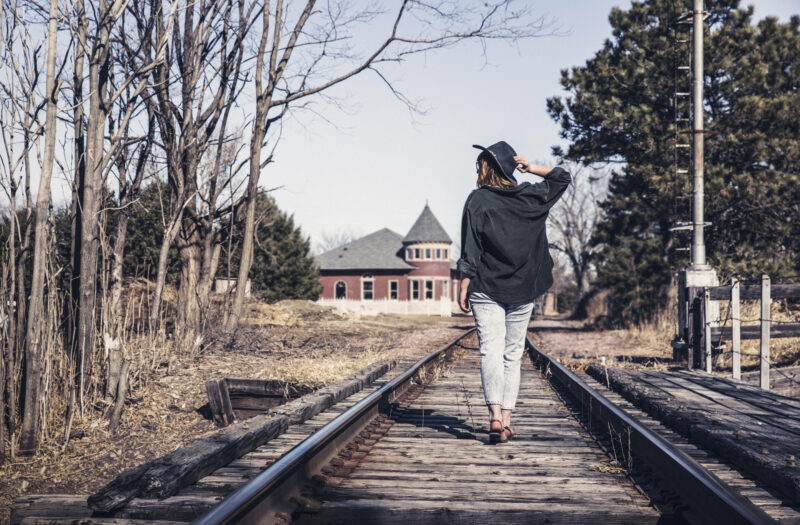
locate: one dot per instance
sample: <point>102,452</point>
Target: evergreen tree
<point>620,109</point>
<point>282,267</point>
<point>145,233</point>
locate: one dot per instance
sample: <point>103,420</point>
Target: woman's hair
<point>488,177</point>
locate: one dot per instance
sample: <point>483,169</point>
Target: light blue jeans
<point>501,337</point>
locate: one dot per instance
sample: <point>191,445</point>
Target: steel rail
<point>262,498</point>
<point>709,498</point>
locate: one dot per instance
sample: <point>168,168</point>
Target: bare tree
<point>22,106</point>
<point>191,94</point>
<point>94,163</point>
<point>34,391</point>
<point>308,54</point>
<point>575,219</point>
<point>332,239</point>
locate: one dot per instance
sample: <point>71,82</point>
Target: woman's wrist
<point>536,169</point>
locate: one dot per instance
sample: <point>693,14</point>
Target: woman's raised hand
<point>522,163</point>
<point>526,167</point>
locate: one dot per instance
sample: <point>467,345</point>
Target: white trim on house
<point>367,278</point>
<point>411,290</point>
<point>426,251</point>
<point>442,308</point>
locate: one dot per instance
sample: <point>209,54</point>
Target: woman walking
<point>505,256</point>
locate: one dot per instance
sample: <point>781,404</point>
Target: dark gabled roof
<point>381,250</point>
<point>427,229</point>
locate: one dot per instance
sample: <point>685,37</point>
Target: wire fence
<point>763,357</point>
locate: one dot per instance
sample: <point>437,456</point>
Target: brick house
<point>384,272</point>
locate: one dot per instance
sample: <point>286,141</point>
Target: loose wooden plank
<point>164,476</point>
<point>762,496</point>
<point>214,392</point>
<point>713,430</point>
<point>268,387</point>
<point>177,508</point>
<point>49,506</point>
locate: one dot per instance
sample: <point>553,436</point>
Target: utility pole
<point>698,273</point>
<point>698,242</point>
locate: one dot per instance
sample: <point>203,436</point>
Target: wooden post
<point>696,343</point>
<point>736,329</point>
<point>707,328</point>
<point>219,402</point>
<point>683,324</point>
<point>766,302</point>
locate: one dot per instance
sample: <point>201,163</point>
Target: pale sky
<point>378,166</point>
<point>371,164</point>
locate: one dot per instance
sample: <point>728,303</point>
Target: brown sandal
<point>508,434</point>
<point>495,431</point>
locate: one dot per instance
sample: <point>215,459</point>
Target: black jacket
<point>504,245</point>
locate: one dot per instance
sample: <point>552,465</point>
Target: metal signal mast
<point>698,273</point>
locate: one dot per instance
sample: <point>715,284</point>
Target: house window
<point>393,290</point>
<point>445,253</point>
<point>438,253</point>
<point>427,253</point>
<point>414,289</point>
<point>408,253</point>
<point>416,253</point>
<point>445,289</point>
<point>367,284</point>
<point>428,289</point>
<point>341,290</point>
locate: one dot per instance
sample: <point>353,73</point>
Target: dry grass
<point>783,351</point>
<point>308,371</point>
<point>653,338</point>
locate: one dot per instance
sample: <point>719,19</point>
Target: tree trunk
<point>91,200</point>
<point>247,244</point>
<point>121,392</point>
<point>34,391</point>
<point>3,362</point>
<point>112,336</point>
<point>9,380</point>
<point>188,329</point>
<point>263,98</point>
<point>78,184</point>
<point>171,232</point>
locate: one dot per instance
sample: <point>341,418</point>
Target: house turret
<point>426,240</point>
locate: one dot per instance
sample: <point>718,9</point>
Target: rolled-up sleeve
<point>470,244</point>
<point>557,181</point>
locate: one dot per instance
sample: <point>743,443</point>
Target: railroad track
<point>414,449</point>
<point>381,461</point>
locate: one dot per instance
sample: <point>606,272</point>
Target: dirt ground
<point>577,346</point>
<point>295,341</point>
